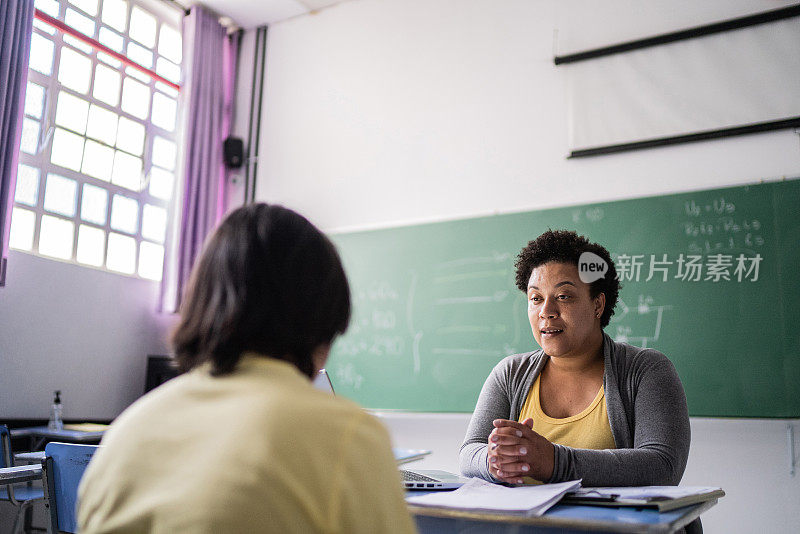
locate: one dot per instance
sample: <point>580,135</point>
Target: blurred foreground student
<point>242,442</point>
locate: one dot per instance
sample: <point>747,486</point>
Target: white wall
<point>84,331</point>
<point>383,112</point>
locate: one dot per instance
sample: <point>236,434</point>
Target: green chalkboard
<point>710,278</point>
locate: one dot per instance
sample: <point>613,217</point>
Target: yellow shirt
<point>589,429</point>
<point>258,450</point>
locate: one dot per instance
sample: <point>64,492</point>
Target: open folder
<point>661,498</point>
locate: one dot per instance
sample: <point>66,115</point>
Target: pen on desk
<point>597,497</point>
<point>610,498</point>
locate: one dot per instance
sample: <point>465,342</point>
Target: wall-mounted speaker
<point>233,152</point>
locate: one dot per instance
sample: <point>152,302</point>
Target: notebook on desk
<point>661,498</point>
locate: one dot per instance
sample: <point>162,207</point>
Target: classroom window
<point>96,175</point>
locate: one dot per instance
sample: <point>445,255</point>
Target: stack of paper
<point>479,495</point>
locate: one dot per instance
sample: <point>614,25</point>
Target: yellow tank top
<point>589,429</point>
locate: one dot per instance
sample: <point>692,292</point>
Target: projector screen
<point>736,78</point>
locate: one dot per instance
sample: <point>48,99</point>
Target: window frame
<point>41,159</point>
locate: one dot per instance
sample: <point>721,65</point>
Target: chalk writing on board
<point>349,347</point>
<point>721,233</point>
<point>718,206</point>
<point>486,302</point>
<point>410,303</point>
<point>466,352</point>
<point>373,327</point>
<point>383,319</point>
<point>716,225</point>
<point>497,296</point>
<point>593,215</point>
<point>722,225</point>
<point>346,375</point>
<point>748,241</point>
<point>381,291</point>
<point>494,257</point>
<point>631,323</point>
<point>489,329</point>
<point>415,353</point>
<point>460,277</point>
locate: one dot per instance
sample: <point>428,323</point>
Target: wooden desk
<point>563,518</point>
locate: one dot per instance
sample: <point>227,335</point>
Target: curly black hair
<point>565,246</point>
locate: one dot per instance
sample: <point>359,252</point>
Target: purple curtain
<point>16,21</point>
<point>209,87</point>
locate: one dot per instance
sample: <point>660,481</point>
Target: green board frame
<point>710,278</point>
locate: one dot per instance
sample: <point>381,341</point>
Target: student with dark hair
<point>583,406</point>
<point>242,441</point>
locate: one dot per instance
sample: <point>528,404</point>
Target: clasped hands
<point>516,451</point>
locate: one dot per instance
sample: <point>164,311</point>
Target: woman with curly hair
<point>583,406</point>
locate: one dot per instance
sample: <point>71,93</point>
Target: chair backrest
<point>63,468</point>
<point>160,369</point>
<point>6,457</point>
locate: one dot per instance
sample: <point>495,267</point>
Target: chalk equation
<point>723,233</point>
<point>718,206</point>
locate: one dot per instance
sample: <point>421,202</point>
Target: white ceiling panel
<point>253,13</point>
<point>318,4</point>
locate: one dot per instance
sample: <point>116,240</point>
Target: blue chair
<point>62,470</point>
<point>21,495</point>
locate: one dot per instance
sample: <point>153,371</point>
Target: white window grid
<point>41,159</point>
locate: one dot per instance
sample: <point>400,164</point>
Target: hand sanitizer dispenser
<point>56,412</point>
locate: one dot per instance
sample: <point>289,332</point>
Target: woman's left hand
<point>518,451</point>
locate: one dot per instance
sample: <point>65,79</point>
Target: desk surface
<point>29,457</point>
<point>20,473</point>
<point>561,517</point>
<point>74,436</point>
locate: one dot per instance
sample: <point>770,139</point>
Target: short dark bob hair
<point>267,281</point>
<point>564,246</point>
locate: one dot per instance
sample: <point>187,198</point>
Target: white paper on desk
<point>645,492</point>
<point>478,494</point>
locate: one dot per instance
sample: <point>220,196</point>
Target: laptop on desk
<point>424,479</point>
<point>430,479</point>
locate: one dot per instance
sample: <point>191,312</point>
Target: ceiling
<point>249,14</point>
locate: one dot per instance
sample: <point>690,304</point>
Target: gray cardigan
<point>646,409</point>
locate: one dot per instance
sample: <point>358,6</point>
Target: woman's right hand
<point>516,451</point>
